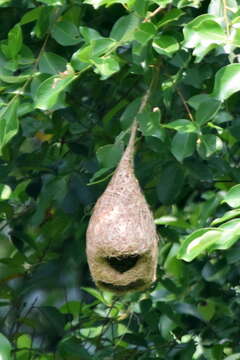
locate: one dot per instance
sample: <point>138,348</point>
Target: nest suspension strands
<point>122,242</point>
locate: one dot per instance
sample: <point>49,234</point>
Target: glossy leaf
<point>5,348</point>
<point>203,34</point>
<point>106,66</point>
<point>196,100</point>
<point>51,63</point>
<point>181,125</point>
<point>165,45</point>
<point>97,3</point>
<point>8,122</point>
<point>170,183</point>
<point>124,29</point>
<point>149,123</point>
<point>15,40</point>
<point>183,145</point>
<point>227,216</point>
<point>227,82</point>
<point>95,49</point>
<point>207,110</point>
<point>207,309</point>
<point>233,357</point>
<point>198,243</point>
<point>231,233</point>
<point>232,197</point>
<point>209,144</point>
<point>65,33</point>
<point>129,113</point>
<point>109,155</point>
<point>145,32</point>
<point>172,15</point>
<point>53,2</point>
<point>89,34</point>
<point>72,348</point>
<point>48,92</point>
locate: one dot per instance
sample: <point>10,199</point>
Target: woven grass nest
<point>122,242</point>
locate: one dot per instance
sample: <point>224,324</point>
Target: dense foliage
<point>72,76</point>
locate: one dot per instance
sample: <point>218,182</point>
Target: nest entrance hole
<point>123,263</point>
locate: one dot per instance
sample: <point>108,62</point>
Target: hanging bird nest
<point>121,236</point>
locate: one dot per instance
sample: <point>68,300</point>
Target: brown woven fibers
<point>121,236</point>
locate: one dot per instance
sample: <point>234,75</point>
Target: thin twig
<point>130,148</point>
<point>154,13</point>
<point>185,104</point>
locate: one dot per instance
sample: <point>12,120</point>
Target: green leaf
<point>97,294</point>
<point>183,145</point>
<point>165,45</point>
<point>217,8</point>
<point>227,82</point>
<point>96,48</point>
<point>231,233</point>
<point>172,264</point>
<point>235,36</point>
<point>14,79</point>
<point>72,349</point>
<point>89,34</point>
<point>66,33</point>
<point>166,326</point>
<point>203,34</point>
<point>54,318</point>
<point>15,40</point>
<point>235,356</point>
<point>73,307</point>
<point>207,110</point>
<point>5,348</point>
<point>53,2</point>
<point>109,155</point>
<point>48,92</point>
<point>172,15</point>
<point>198,242</point>
<point>209,144</point>
<point>51,63</point>
<point>106,66</point>
<point>187,309</point>
<point>181,125</point>
<point>5,192</point>
<point>232,197</point>
<point>170,183</point>
<point>172,221</point>
<point>145,32</point>
<point>24,341</point>
<point>227,216</point>
<point>196,100</point>
<point>149,123</point>
<point>8,122</point>
<point>4,2</point>
<point>124,28</point>
<point>97,3</point>
<point>206,309</point>
<point>129,113</point>
<point>30,16</point>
